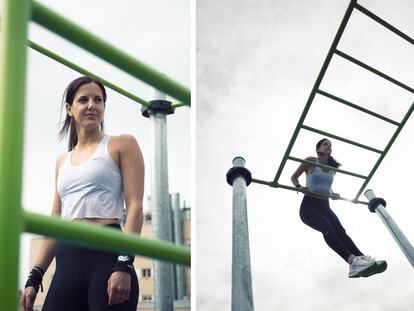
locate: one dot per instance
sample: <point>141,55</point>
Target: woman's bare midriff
<point>99,221</point>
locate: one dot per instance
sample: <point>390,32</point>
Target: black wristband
<point>124,263</point>
<point>298,186</point>
<point>35,278</point>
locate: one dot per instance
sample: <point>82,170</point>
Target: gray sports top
<point>320,181</point>
<point>92,189</point>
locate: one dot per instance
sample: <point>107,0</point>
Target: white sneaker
<point>381,265</point>
<point>361,266</point>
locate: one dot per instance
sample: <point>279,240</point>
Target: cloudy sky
<point>156,32</point>
<point>257,62</point>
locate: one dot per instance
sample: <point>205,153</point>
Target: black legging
<point>317,214</point>
<point>81,278</point>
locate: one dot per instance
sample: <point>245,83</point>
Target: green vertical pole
<point>12,95</point>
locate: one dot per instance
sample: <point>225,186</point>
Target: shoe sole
<point>380,266</point>
<point>366,272</point>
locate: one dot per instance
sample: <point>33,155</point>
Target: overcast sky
<point>257,62</point>
<point>156,33</point>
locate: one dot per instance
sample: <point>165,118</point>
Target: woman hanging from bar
<point>92,182</point>
<point>316,213</point>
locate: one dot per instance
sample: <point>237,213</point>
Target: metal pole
<point>178,239</point>
<point>392,227</point>
<point>12,104</point>
<point>161,219</point>
<point>241,293</point>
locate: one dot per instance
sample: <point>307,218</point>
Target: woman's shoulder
<point>60,159</point>
<point>123,138</point>
<point>123,141</point>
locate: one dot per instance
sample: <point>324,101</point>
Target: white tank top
<point>320,181</point>
<point>92,189</point>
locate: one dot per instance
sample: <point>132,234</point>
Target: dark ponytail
<point>68,97</point>
<point>331,160</point>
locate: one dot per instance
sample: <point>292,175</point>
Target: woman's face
<point>325,147</point>
<point>88,107</point>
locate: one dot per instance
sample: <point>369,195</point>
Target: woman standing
<point>316,213</point>
<point>93,181</point>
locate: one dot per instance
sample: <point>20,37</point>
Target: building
<point>144,266</point>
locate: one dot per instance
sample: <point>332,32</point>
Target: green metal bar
<point>12,103</point>
<point>176,105</point>
<point>373,70</point>
<point>343,101</point>
<point>79,36</point>
<point>262,182</point>
<point>384,23</point>
<point>316,86</point>
<point>397,131</point>
<point>85,72</point>
<point>321,194</point>
<point>327,166</point>
<point>104,238</point>
<point>317,194</point>
<point>340,138</point>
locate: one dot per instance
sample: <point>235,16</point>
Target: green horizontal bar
<point>317,194</point>
<point>328,167</point>
<point>318,81</point>
<point>393,138</point>
<point>85,72</point>
<point>345,102</point>
<point>97,46</point>
<point>373,70</point>
<point>177,105</point>
<point>384,23</point>
<point>104,238</point>
<point>340,138</point>
<point>262,182</point>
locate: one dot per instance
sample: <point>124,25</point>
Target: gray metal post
<point>241,293</point>
<point>161,219</point>
<point>178,239</point>
<point>392,227</point>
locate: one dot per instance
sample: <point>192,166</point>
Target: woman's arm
<point>132,170</point>
<point>299,171</point>
<point>47,248</point>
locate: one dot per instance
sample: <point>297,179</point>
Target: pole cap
<point>238,170</point>
<point>162,106</point>
<point>374,201</point>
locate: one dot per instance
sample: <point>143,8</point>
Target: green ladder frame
<point>316,90</point>
<point>13,219</point>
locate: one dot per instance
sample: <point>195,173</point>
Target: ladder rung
<point>373,70</point>
<point>384,23</point>
<point>327,166</point>
<point>345,102</point>
<point>340,138</point>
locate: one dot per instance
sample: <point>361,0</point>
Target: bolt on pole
<point>392,227</point>
<point>161,213</point>
<point>241,293</point>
